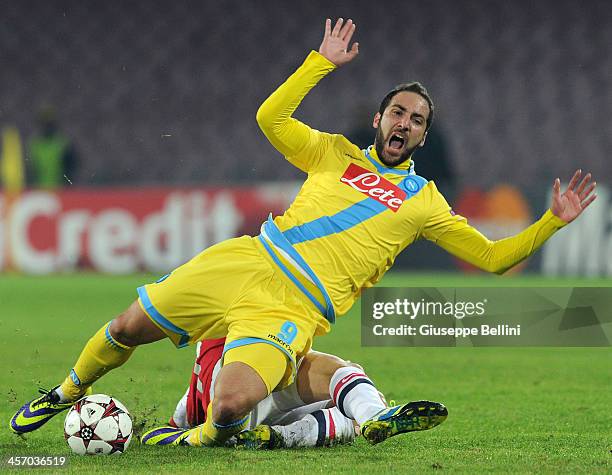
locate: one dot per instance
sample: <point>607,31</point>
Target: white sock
<point>60,393</point>
<point>180,413</point>
<point>355,394</point>
<point>323,428</point>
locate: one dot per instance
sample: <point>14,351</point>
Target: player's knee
<point>230,407</point>
<point>335,363</point>
<point>324,365</point>
<point>126,329</point>
<point>340,364</point>
<point>120,331</point>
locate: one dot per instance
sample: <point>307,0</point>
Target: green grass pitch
<point>510,409</point>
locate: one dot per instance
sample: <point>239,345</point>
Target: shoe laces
<point>49,396</point>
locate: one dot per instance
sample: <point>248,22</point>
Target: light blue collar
<point>382,169</point>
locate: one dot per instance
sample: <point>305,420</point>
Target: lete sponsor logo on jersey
<point>373,185</point>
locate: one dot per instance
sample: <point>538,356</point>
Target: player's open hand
<point>335,42</point>
<point>570,204</point>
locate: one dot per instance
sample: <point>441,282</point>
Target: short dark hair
<point>415,87</point>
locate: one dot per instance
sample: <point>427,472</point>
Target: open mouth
<point>396,142</point>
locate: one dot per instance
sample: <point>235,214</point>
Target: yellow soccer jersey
<point>353,215</point>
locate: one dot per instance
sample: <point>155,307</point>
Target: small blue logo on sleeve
<point>288,332</point>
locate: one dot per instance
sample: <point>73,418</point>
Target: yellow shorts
<point>231,289</point>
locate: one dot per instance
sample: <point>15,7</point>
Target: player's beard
<point>379,145</point>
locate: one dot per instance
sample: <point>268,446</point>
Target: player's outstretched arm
<point>572,202</point>
<point>456,236</point>
<point>302,145</point>
<point>335,44</point>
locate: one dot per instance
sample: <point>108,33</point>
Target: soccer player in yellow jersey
<point>270,295</point>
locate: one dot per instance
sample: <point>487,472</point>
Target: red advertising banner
<point>119,231</point>
<point>128,230</point>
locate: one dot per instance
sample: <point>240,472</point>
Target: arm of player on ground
<point>302,145</point>
<point>454,234</point>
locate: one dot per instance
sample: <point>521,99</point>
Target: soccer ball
<point>98,425</point>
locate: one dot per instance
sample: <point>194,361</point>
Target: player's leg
<point>249,374</point>
<point>323,376</point>
<point>300,415</point>
<point>324,427</point>
<point>168,307</point>
<point>357,398</point>
<point>108,348</point>
<point>186,305</point>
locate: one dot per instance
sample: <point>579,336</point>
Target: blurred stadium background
<point>158,100</point>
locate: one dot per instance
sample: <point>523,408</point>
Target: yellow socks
<point>211,434</point>
<point>101,354</point>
